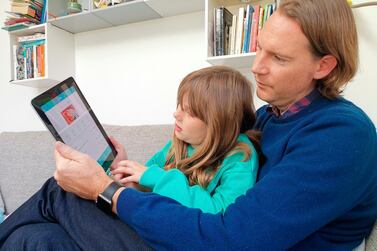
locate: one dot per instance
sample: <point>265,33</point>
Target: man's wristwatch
<point>105,199</point>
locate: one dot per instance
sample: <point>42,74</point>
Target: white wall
<point>16,113</point>
<point>130,74</point>
<point>363,89</point>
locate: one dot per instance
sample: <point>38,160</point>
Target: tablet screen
<point>70,119</point>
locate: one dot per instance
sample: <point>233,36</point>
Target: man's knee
<point>43,236</point>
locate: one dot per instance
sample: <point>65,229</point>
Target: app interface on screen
<point>68,114</point>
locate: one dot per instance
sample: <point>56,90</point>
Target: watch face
<point>104,203</point>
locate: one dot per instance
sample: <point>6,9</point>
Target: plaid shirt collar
<point>294,108</point>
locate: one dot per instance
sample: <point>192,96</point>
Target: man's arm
<point>313,185</point>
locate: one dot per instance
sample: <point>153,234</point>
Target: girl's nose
<point>177,113</point>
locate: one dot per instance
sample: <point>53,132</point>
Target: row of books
<point>25,13</point>
<point>236,34</point>
<point>29,57</point>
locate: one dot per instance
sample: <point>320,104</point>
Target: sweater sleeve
<point>159,158</point>
<point>236,178</point>
<point>306,190</point>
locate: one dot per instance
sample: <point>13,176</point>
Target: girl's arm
<point>158,159</point>
<point>233,179</point>
<point>236,179</point>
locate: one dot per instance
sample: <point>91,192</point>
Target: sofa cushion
<point>27,158</point>
<point>371,243</point>
<point>26,161</point>
<point>141,142</point>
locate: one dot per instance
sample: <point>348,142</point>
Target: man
<point>317,189</point>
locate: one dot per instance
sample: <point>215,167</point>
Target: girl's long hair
<point>222,98</point>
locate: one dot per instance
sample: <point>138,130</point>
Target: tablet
<point>68,116</point>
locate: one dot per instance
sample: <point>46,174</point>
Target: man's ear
<point>326,65</point>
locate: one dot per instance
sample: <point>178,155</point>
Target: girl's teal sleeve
<point>160,157</point>
<point>236,177</point>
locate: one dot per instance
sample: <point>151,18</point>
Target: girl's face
<point>189,129</point>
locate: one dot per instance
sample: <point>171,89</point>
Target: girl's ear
<point>326,65</point>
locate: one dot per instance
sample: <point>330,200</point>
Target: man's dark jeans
<point>53,219</point>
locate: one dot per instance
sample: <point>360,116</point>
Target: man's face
<point>284,66</point>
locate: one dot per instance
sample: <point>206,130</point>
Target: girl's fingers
<point>128,179</point>
<point>123,170</point>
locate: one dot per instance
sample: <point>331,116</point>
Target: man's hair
<point>330,27</point>
<point>222,98</point>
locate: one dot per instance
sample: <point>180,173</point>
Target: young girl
<point>210,161</point>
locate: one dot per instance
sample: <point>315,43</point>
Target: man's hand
<point>122,155</point>
<point>78,173</point>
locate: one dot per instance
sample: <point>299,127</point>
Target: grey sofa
<point>27,160</point>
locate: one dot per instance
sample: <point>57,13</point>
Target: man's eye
<point>280,59</point>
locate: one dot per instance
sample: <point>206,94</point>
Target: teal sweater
<point>232,180</point>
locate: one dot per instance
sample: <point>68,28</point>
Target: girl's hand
<point>122,155</point>
<point>130,170</point>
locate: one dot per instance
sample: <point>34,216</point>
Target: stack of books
<point>29,57</point>
<point>237,34</point>
<point>24,13</point>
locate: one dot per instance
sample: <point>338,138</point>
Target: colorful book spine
<point>29,57</point>
<point>247,28</point>
<point>254,28</point>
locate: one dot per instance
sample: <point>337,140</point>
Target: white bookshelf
<point>128,12</point>
<point>61,27</point>
<point>120,14</point>
<point>239,61</point>
<point>58,55</point>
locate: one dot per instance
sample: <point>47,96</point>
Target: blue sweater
<point>316,191</point>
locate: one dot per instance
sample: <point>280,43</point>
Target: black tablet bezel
<point>46,96</point>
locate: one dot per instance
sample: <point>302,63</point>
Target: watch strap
<point>105,199</point>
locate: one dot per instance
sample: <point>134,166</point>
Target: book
<point>223,22</point>
<point>36,36</point>
<point>247,28</point>
<point>239,30</point>
<point>15,63</point>
<point>254,28</point>
<point>35,65</point>
<point>17,26</point>
<point>24,10</point>
<point>26,4</point>
<point>29,62</point>
<point>15,20</point>
<point>232,36</point>
<point>260,22</point>
<point>44,12</point>
<point>20,63</point>
<point>40,60</point>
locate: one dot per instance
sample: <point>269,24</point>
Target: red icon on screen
<point>70,114</point>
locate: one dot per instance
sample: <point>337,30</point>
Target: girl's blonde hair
<point>330,28</point>
<point>222,98</point>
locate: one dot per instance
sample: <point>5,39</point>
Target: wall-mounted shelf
<point>79,22</point>
<point>124,13</point>
<point>60,27</point>
<point>239,61</point>
<point>129,12</point>
<point>236,61</point>
<point>59,54</point>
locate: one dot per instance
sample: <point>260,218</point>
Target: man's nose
<point>259,64</point>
